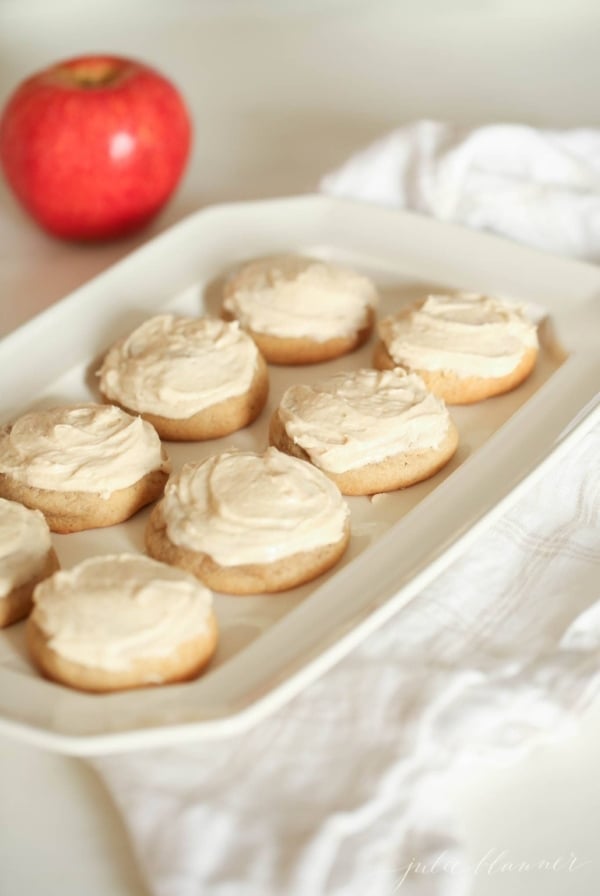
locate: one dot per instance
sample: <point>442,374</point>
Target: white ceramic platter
<point>273,646</point>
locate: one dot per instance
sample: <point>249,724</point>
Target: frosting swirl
<point>109,611</point>
<point>87,448</point>
<point>244,508</point>
<point>24,545</point>
<point>470,334</point>
<point>295,297</point>
<point>178,366</point>
<point>361,417</point>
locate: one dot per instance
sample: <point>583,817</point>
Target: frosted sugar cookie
<point>121,621</point>
<point>26,557</point>
<point>368,430</point>
<point>192,378</point>
<point>467,347</point>
<point>247,523</point>
<point>83,466</point>
<point>300,310</point>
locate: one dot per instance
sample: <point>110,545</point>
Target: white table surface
<point>281,92</point>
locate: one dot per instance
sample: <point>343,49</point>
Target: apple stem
<point>90,74</point>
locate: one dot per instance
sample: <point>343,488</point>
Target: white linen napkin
<point>539,187</point>
<point>341,791</point>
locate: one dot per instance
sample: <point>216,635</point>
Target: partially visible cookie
<point>245,523</point>
<point>191,378</point>
<point>26,557</point>
<point>83,467</point>
<point>369,431</point>
<point>301,310</point>
<point>121,621</point>
<point>466,346</point>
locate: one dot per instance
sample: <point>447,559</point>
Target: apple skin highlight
<point>94,147</point>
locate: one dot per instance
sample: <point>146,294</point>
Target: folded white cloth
<point>341,791</point>
<point>540,187</point>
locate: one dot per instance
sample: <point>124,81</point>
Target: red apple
<point>94,146</point>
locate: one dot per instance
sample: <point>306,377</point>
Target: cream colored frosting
<point>241,507</point>
<point>470,334</point>
<point>111,610</point>
<point>362,417</point>
<point>88,448</point>
<point>24,545</point>
<point>295,297</point>
<point>178,366</point>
